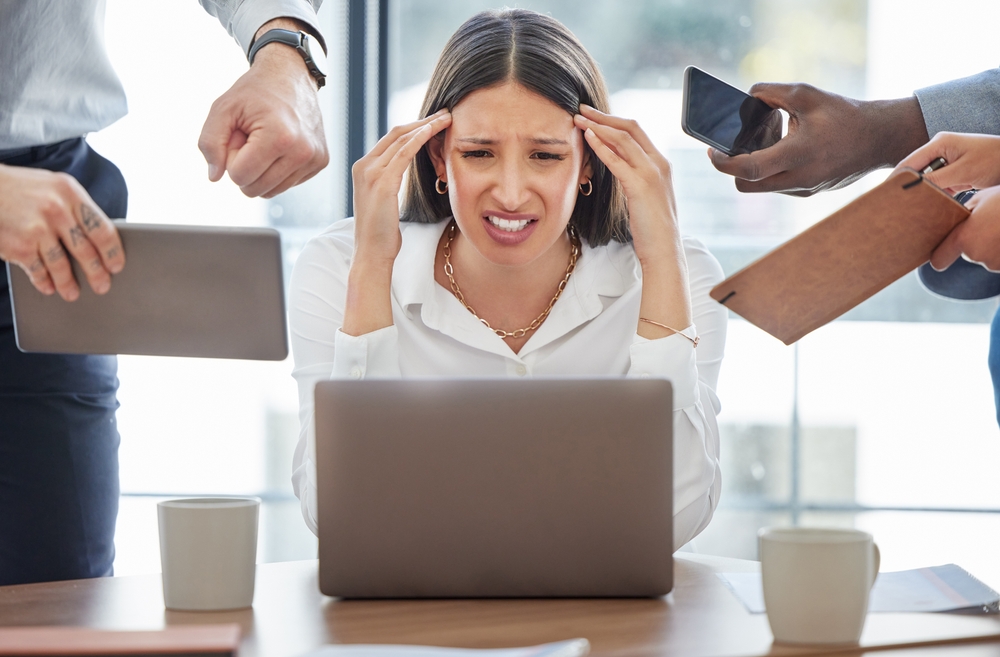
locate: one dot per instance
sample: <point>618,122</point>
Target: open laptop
<point>495,488</point>
<point>185,291</point>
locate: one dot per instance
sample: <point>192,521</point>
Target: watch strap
<point>297,40</point>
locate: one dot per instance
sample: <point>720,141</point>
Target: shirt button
<point>356,372</point>
<point>521,370</point>
<point>644,375</point>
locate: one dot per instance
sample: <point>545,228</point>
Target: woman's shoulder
<point>335,240</point>
<point>335,243</point>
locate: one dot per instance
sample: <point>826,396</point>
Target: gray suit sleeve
<point>970,104</point>
<point>242,18</point>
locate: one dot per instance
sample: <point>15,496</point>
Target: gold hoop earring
<point>588,186</point>
<point>441,186</point>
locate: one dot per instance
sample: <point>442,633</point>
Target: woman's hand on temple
<point>377,240</point>
<point>378,177</point>
<point>645,177</point>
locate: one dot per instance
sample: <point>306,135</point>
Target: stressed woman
<point>538,238</point>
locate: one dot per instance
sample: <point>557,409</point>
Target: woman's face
<point>513,161</point>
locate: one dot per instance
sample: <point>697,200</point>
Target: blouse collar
<point>600,272</point>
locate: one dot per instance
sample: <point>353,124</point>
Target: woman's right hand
<point>973,161</point>
<point>378,177</point>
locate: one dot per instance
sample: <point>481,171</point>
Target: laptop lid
<point>185,291</point>
<point>495,488</point>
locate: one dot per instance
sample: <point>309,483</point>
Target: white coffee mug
<point>208,550</point>
<point>817,582</point>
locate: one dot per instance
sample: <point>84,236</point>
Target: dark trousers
<point>58,436</point>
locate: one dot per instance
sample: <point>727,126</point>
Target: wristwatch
<point>297,40</point>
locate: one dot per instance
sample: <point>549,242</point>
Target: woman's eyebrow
<point>541,141</point>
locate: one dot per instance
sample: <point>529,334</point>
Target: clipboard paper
<point>836,264</point>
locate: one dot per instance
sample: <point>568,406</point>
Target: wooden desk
<point>289,617</point>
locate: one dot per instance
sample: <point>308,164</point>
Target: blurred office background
<point>883,420</point>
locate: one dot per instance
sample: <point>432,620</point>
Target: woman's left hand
<point>645,176</point>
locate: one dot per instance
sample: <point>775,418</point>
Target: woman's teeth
<point>511,226</point>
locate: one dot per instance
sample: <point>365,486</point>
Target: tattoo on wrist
<point>89,218</point>
<point>75,235</point>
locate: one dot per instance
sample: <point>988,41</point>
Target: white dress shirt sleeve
<point>694,374</point>
<point>242,18</point>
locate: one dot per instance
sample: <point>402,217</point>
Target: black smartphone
<point>726,118</point>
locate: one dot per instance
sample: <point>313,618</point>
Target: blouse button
<point>356,372</point>
<point>521,370</point>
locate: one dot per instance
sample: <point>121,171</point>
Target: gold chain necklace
<point>449,271</point>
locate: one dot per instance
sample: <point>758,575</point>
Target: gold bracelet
<point>694,341</point>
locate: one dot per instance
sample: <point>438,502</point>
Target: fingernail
<point>72,295</point>
<point>115,268</point>
<point>102,287</point>
<point>213,171</point>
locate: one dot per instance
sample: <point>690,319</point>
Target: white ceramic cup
<point>208,550</point>
<point>816,582</point>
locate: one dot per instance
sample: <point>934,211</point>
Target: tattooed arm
<point>43,217</point>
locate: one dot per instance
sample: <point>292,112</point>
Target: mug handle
<point>878,561</point>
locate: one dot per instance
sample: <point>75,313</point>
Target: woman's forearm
<point>665,291</point>
<point>368,306</point>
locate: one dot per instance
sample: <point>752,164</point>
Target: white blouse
<point>590,332</point>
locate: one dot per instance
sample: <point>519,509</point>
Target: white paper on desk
<point>939,588</point>
<point>571,648</point>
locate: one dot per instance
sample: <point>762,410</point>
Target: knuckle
<point>64,183</point>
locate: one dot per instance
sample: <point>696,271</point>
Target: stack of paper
<point>939,588</point>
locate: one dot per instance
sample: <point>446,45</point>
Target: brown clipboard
<point>844,259</point>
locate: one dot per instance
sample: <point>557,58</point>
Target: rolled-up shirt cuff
<point>252,15</point>
<point>372,355</point>
<point>673,358</point>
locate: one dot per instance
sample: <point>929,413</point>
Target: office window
<point>891,407</point>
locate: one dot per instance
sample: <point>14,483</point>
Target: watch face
<point>316,53</point>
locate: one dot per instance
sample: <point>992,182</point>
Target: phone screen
<point>726,118</point>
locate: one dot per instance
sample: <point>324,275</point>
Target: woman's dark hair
<point>539,53</point>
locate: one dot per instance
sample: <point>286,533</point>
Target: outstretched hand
<point>44,215</point>
<point>267,129</point>
<point>832,141</point>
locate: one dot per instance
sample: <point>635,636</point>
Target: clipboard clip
<point>936,164</point>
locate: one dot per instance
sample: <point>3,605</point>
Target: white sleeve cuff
<point>372,355</point>
<point>250,16</point>
<point>672,357</point>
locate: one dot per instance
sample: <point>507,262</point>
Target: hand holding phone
<point>726,118</point>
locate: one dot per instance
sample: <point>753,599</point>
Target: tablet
<point>844,259</point>
<point>194,291</point>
